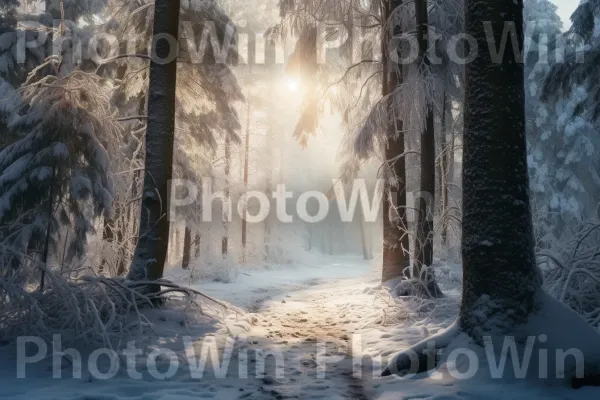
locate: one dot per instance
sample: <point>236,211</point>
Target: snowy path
<point>314,331</point>
<point>301,322</point>
<point>293,310</point>
<point>305,329</point>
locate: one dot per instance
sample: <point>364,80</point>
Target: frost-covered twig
<point>93,310</point>
<point>572,273</point>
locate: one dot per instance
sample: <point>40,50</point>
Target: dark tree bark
<point>447,156</point>
<point>500,277</point>
<point>152,247</point>
<point>426,198</point>
<point>187,248</point>
<point>498,245</point>
<point>46,249</point>
<point>501,282</point>
<point>395,238</point>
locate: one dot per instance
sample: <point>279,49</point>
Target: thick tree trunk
<point>187,248</point>
<point>500,273</point>
<point>395,238</point>
<point>151,249</point>
<point>501,282</point>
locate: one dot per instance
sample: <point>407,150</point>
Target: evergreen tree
<point>572,90</point>
<point>61,126</point>
<point>205,95</point>
<point>561,141</point>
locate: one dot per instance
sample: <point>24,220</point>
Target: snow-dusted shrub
<point>449,275</point>
<point>286,246</point>
<point>216,269</point>
<point>572,272</point>
<point>87,309</point>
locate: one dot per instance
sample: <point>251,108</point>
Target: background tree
<point>58,151</point>
<point>151,250</point>
<point>380,133</point>
<point>570,118</point>
<point>502,287</point>
<point>206,91</point>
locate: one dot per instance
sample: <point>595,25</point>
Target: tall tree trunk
<point>120,236</point>
<point>271,139</point>
<point>197,244</point>
<point>108,236</point>
<point>330,239</point>
<point>363,240</point>
<point>269,184</point>
<point>225,238</point>
<point>501,282</point>
<point>187,248</point>
<point>246,166</point>
<point>177,243</point>
<point>46,250</point>
<point>445,159</point>
<point>395,238</point>
<point>151,250</point>
<point>426,198</point>
<point>499,266</point>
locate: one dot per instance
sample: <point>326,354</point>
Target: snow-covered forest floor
<point>324,321</point>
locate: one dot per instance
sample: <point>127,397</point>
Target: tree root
<point>421,357</point>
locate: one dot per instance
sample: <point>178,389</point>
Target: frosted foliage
<point>9,98</point>
<point>421,85</point>
<point>561,139</point>
<point>205,91</point>
<point>74,9</point>
<point>62,124</point>
<point>572,274</point>
<point>15,62</point>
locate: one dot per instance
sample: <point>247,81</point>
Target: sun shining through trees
<point>293,85</point>
<point>299,199</point>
